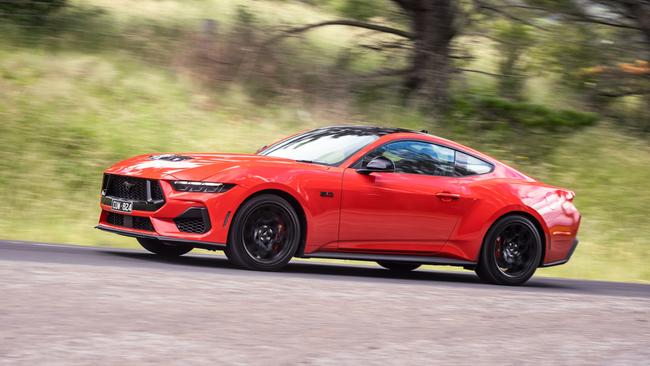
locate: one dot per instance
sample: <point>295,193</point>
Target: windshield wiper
<point>310,162</point>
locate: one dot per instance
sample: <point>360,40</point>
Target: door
<point>413,209</point>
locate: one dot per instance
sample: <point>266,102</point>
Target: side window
<point>416,157</point>
<point>469,165</point>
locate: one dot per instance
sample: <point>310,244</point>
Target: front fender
<point>321,210</point>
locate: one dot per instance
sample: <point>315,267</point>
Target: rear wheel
<point>399,266</point>
<point>163,248</point>
<point>511,252</point>
<point>265,234</point>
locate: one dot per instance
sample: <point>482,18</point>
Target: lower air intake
<point>131,222</point>
<point>195,220</point>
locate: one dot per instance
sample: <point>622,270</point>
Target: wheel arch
<point>536,222</point>
<point>295,204</point>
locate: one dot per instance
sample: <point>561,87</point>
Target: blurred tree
<point>432,25</point>
<point>428,29</point>
<point>600,48</point>
<point>512,41</point>
<point>32,12</point>
<point>359,9</point>
<point>627,14</point>
<point>629,23</point>
<point>624,14</point>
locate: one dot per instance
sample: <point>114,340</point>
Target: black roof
<point>363,130</point>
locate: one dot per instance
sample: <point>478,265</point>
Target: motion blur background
<point>560,89</point>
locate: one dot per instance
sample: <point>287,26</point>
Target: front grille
<point>131,188</point>
<point>132,222</point>
<point>190,225</point>
<point>156,191</point>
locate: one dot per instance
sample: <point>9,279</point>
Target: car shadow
<point>322,270</point>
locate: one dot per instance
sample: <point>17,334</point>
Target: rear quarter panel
<point>489,198</point>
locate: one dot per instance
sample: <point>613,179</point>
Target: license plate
<point>123,206</point>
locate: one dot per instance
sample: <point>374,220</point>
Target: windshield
<point>329,146</point>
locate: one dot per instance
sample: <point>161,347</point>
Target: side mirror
<point>378,164</point>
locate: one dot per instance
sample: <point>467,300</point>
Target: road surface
<point>69,305</point>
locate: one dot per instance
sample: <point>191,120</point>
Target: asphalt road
<point>217,264</point>
<point>63,304</point>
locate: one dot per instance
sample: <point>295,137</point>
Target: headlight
<point>206,187</point>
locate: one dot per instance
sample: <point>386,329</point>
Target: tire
<point>265,234</point>
<point>399,266</point>
<point>511,252</point>
<point>163,248</point>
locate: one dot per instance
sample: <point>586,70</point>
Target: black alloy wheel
<point>163,248</point>
<point>511,251</point>
<point>399,266</point>
<point>265,234</point>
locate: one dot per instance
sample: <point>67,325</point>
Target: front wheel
<point>511,252</point>
<point>265,234</point>
<point>399,266</point>
<point>164,249</point>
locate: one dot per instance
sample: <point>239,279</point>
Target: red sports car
<point>398,197</point>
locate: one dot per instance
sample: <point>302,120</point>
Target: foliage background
<point>96,81</point>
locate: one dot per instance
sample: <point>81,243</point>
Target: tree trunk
<point>641,13</point>
<point>432,26</point>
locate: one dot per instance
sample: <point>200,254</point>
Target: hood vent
<point>170,157</point>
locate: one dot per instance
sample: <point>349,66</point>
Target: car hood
<point>191,166</point>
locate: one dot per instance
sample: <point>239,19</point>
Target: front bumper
<point>163,219</point>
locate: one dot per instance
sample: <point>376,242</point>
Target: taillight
<point>568,195</point>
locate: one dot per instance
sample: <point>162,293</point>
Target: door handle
<point>446,196</point>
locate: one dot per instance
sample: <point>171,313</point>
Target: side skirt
<point>390,258</point>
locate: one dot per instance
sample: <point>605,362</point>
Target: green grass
<point>68,112</point>
<point>66,117</point>
<point>610,173</point>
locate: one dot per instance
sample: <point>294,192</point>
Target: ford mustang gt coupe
<point>398,197</point>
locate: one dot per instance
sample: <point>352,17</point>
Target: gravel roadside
<point>58,314</point>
